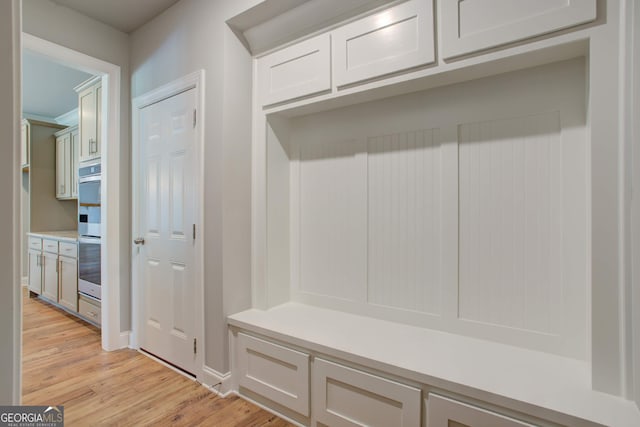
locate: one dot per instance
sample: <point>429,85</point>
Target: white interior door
<point>167,206</point>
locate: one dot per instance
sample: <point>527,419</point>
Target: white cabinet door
<point>63,166</point>
<point>35,271</point>
<point>275,372</point>
<point>445,412</point>
<point>75,147</point>
<point>50,276</point>
<point>393,40</point>
<point>24,144</point>
<point>90,106</point>
<point>346,397</point>
<point>68,282</point>
<point>299,70</point>
<point>472,25</point>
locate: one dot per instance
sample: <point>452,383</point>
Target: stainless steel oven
<point>89,230</point>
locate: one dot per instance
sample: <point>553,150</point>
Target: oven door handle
<point>94,240</point>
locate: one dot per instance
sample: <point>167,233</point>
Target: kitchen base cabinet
<point>35,271</point>
<point>90,309</point>
<point>50,276</point>
<point>68,297</point>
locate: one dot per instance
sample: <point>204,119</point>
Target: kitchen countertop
<point>65,235</point>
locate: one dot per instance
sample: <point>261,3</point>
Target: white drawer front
<point>68,249</point>
<point>345,397</point>
<point>35,243</point>
<point>50,246</point>
<point>90,310</point>
<point>299,70</point>
<point>472,25</point>
<point>445,412</point>
<point>393,40</point>
<point>275,372</point>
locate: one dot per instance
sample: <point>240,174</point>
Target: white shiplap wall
<point>463,208</point>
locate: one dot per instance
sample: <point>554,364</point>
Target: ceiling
<point>47,87</point>
<point>124,15</point>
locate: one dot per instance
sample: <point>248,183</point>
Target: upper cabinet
<point>393,40</point>
<point>24,145</point>
<point>469,26</point>
<point>299,70</point>
<point>90,111</point>
<point>67,163</point>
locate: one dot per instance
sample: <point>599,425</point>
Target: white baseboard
<point>124,339</point>
<point>216,382</point>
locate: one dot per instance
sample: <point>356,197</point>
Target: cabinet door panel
<point>87,105</point>
<point>275,372</point>
<point>63,166</point>
<point>75,149</point>
<point>299,70</point>
<point>445,412</point>
<point>97,146</point>
<point>346,397</point>
<point>35,272</point>
<point>24,145</point>
<point>50,276</point>
<point>473,25</point>
<point>393,40</point>
<point>68,283</point>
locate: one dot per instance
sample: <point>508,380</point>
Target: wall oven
<point>89,230</point>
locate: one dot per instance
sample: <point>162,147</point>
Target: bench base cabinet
<point>275,372</point>
<point>346,397</point>
<point>445,412</point>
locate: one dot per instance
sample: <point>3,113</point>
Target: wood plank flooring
<point>63,364</point>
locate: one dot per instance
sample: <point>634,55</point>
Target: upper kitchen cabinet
<point>469,26</point>
<point>90,110</point>
<point>67,163</point>
<point>296,71</point>
<point>24,145</point>
<point>393,40</point>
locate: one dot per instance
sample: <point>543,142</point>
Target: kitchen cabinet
<point>53,268</point>
<point>67,163</point>
<point>24,144</point>
<point>90,111</point>
<point>90,309</point>
<point>393,40</point>
<point>471,26</point>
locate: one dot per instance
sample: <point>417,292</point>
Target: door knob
<point>139,241</point>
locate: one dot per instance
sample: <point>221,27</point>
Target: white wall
<point>193,35</point>
<point>10,306</point>
<point>63,26</point>
<point>635,195</point>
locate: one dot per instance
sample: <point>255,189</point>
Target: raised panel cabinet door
<point>468,26</point>
<point>63,166</point>
<point>75,147</point>
<point>445,412</point>
<point>35,272</point>
<point>347,397</point>
<point>50,276</point>
<point>88,124</point>
<point>393,40</point>
<point>68,269</point>
<point>24,144</point>
<point>296,71</point>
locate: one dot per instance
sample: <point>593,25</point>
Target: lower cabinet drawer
<point>35,243</point>
<point>50,246</point>
<point>346,397</point>
<point>445,412</point>
<point>275,372</point>
<point>68,249</point>
<point>90,310</point>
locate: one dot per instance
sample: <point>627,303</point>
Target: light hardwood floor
<point>63,364</point>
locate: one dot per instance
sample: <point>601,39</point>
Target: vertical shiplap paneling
<point>333,219</point>
<point>510,223</point>
<point>404,185</point>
